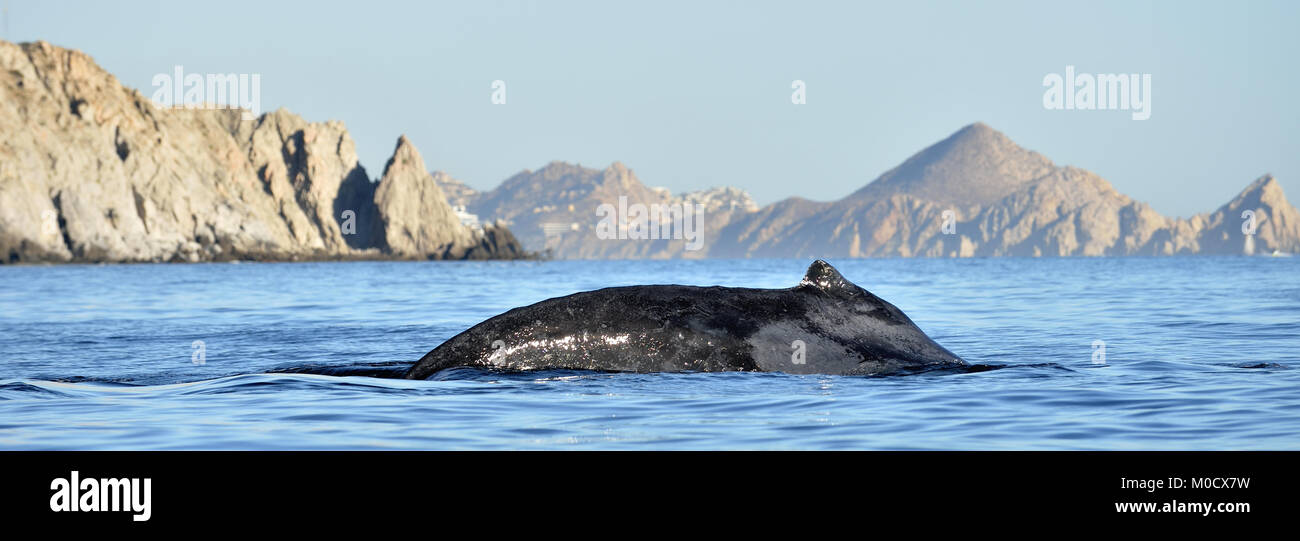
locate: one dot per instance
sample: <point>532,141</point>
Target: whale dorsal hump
<point>823,277</point>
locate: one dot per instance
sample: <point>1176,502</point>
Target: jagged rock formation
<point>92,171</point>
<point>497,242</point>
<point>312,171</point>
<point>415,215</point>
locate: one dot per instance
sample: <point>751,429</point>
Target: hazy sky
<point>696,94</point>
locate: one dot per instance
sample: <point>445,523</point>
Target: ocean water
<point>1199,353</point>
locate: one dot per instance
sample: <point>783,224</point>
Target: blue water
<point>1200,353</point>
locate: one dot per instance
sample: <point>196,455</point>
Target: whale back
<point>845,329</point>
<point>826,324</point>
<point>823,279</point>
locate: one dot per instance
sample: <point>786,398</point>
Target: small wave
<point>13,389</point>
<point>1260,365</point>
<point>386,370</point>
<point>978,368</point>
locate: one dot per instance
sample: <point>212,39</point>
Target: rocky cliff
<point>92,171</point>
<point>417,222</point>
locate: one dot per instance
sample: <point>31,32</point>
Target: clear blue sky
<point>694,94</point>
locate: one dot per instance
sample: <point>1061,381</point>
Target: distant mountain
<point>1001,200</point>
<point>458,194</point>
<point>975,193</point>
<point>92,171</point>
<point>975,166</point>
<point>1277,223</point>
<point>555,210</point>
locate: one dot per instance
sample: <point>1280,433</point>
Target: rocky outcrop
<point>495,241</point>
<point>312,172</point>
<point>415,218</point>
<point>92,171</point>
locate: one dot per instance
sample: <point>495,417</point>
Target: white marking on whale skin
<point>771,350</point>
<point>504,356</point>
<point>540,352</point>
<point>497,357</point>
<point>616,340</point>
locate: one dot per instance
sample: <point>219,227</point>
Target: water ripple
<point>1198,354</point>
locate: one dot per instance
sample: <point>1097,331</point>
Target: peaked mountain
<point>1277,223</point>
<point>975,166</point>
<point>93,171</point>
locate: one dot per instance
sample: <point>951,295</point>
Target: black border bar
<point>310,490</point>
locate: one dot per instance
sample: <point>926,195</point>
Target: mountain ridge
<point>93,171</point>
<point>995,197</point>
